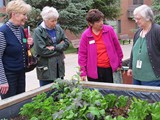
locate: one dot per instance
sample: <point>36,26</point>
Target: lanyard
<point>140,46</point>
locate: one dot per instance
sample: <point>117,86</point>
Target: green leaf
<point>34,118</point>
<point>108,118</point>
<point>94,111</point>
<point>111,100</point>
<point>122,101</point>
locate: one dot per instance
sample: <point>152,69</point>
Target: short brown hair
<point>94,15</point>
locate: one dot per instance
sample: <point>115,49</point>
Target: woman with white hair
<point>145,56</point>
<point>13,49</point>
<point>49,43</point>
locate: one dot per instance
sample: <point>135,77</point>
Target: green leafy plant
<point>68,100</point>
<point>139,109</point>
<point>155,108</point>
<point>77,75</point>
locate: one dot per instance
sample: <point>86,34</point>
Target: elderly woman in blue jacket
<point>49,43</point>
<point>145,56</point>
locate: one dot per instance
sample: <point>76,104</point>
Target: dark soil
<point>123,111</point>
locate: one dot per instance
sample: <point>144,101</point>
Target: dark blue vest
<point>15,54</point>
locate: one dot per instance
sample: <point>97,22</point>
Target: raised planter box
<point>10,107</point>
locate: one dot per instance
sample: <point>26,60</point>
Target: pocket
<point>42,72</point>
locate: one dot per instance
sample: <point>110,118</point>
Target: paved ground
<point>70,67</point>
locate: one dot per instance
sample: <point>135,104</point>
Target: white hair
<point>49,12</point>
<point>145,11</point>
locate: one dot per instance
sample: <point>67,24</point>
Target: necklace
<point>141,42</point>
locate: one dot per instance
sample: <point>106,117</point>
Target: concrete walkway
<point>70,67</point>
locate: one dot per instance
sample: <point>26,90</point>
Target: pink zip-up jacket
<point>87,53</point>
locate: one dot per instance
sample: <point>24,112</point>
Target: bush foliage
<point>72,12</point>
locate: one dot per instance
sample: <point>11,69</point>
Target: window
<point>137,2</point>
<point>119,26</point>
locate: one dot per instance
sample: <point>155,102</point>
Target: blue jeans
<point>45,82</point>
<point>16,81</point>
<point>146,83</point>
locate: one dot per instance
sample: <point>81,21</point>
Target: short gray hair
<point>49,12</point>
<point>145,11</point>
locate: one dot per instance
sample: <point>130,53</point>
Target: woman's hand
<point>50,47</point>
<point>83,78</point>
<point>4,88</point>
<point>129,72</point>
<point>119,69</point>
<point>30,41</point>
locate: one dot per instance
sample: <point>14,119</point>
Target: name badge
<point>139,64</point>
<point>24,40</point>
<point>92,42</point>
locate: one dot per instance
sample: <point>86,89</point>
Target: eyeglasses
<point>137,19</point>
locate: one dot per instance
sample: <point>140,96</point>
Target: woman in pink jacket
<point>100,53</point>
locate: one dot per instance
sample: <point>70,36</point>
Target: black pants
<point>16,81</point>
<point>104,75</point>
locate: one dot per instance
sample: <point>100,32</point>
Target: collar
<point>11,24</point>
<point>45,27</point>
<point>105,28</point>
